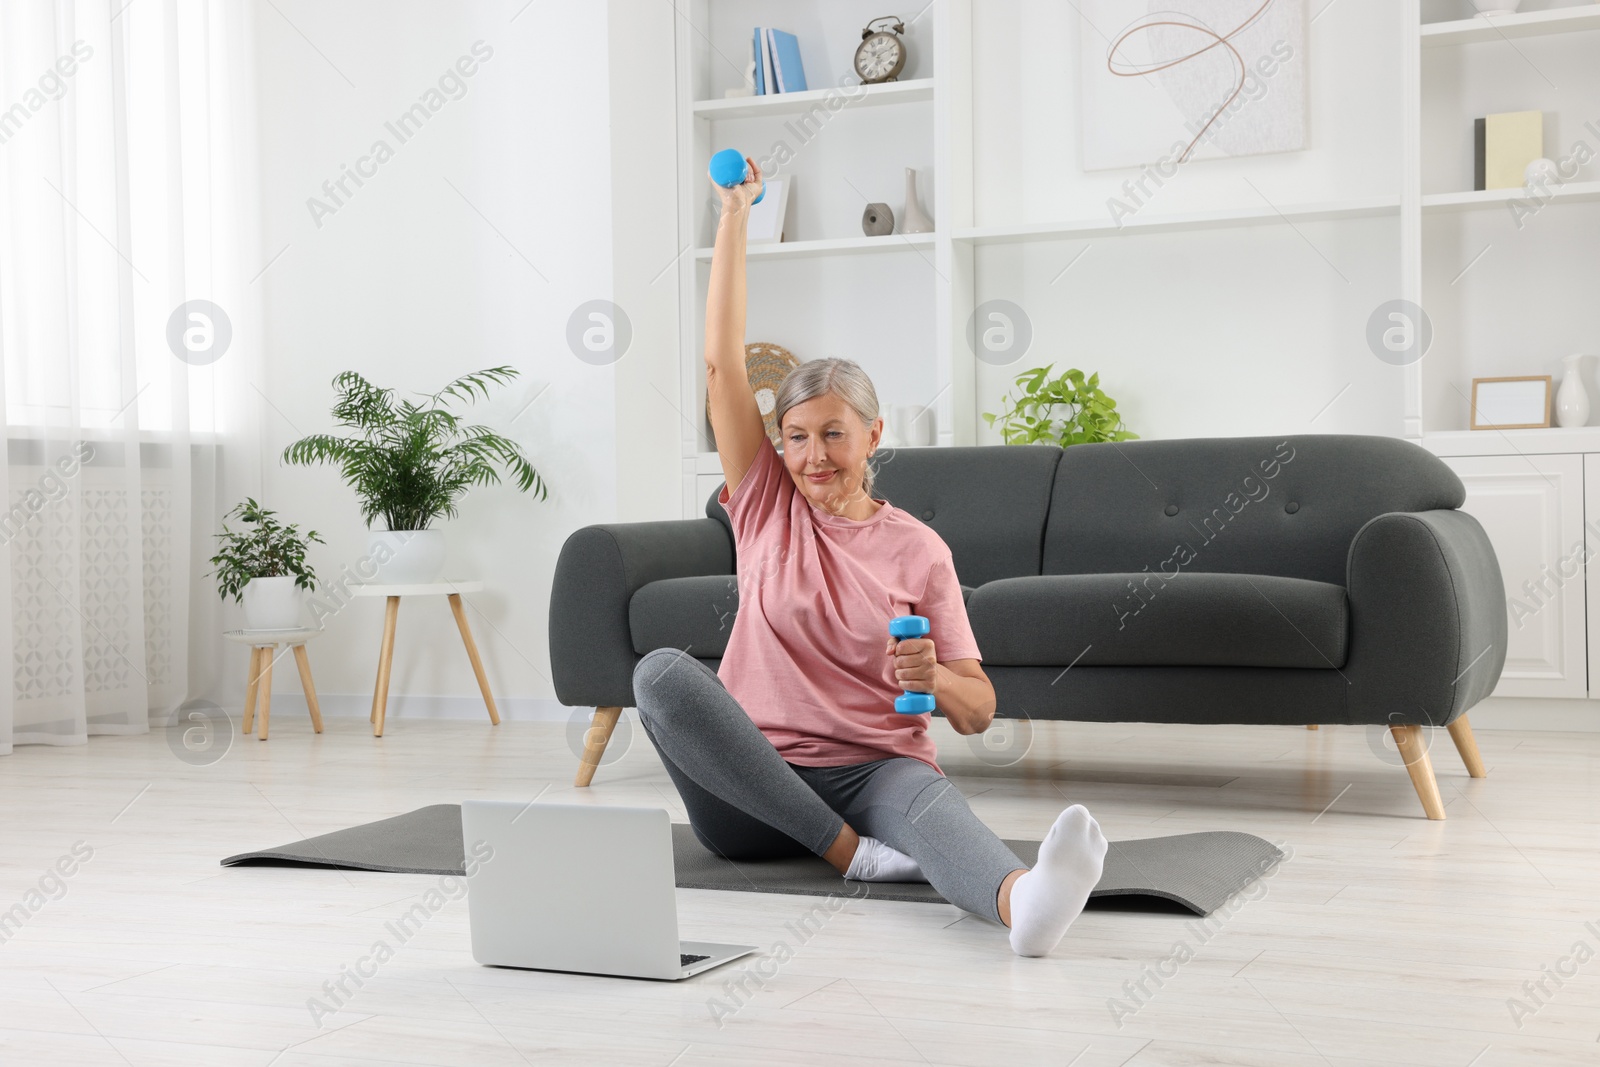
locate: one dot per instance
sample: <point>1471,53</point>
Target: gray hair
<point>843,378</point>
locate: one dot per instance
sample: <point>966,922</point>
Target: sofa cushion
<point>1245,505</point>
<point>694,614</point>
<point>1192,619</point>
<point>988,503</point>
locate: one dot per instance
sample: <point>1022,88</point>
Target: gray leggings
<point>747,802</point>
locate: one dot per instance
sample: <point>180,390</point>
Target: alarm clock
<point>881,55</point>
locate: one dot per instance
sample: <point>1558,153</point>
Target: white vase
<point>272,604</point>
<point>406,557</point>
<point>1572,399</point>
<point>914,220</point>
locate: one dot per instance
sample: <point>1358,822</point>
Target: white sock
<point>875,861</point>
<point>1046,900</point>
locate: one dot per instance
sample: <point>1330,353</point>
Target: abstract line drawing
<point>1191,79</point>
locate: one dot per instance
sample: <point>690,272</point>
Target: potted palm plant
<point>264,566</point>
<point>411,462</point>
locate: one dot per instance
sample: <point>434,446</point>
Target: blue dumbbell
<point>900,628</point>
<point>728,168</point>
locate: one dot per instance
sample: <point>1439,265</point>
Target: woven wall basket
<point>767,365</point>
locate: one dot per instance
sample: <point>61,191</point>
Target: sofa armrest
<point>597,573</point>
<point>1427,618</point>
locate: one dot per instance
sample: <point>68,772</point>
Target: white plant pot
<point>272,604</point>
<point>407,557</point>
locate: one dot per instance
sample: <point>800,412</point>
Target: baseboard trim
<point>1536,713</point>
<point>402,707</point>
<point>1494,713</point>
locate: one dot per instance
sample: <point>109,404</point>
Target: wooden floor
<point>1383,939</point>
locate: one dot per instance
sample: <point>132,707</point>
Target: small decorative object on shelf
<point>749,86</point>
<point>877,220</point>
<point>1495,7</point>
<point>881,56</point>
<point>1541,172</point>
<point>767,213</point>
<point>264,567</point>
<point>915,220</point>
<point>1090,414</point>
<point>1572,399</point>
<point>766,365</point>
<point>1519,402</point>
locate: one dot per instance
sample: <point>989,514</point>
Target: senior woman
<point>794,745</point>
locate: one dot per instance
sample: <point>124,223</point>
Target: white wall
<point>469,248</point>
<point>1252,330</point>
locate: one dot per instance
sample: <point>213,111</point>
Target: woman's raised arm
<point>735,417</point>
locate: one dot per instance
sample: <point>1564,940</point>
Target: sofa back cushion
<point>988,503</point>
<point>1286,506</point>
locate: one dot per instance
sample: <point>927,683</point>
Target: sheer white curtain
<point>126,191</point>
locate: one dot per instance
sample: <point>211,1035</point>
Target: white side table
<point>450,590</point>
<point>264,645</point>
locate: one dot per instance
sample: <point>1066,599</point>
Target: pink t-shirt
<point>806,658</point>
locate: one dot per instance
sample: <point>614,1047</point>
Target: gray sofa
<point>1286,580</point>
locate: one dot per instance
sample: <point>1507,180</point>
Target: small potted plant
<point>410,463</point>
<point>264,566</point>
<point>1089,414</point>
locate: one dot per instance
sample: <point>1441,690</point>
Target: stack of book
<point>777,59</point>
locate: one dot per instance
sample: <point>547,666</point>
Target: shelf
<point>834,246</point>
<point>1574,191</point>
<point>748,107</point>
<point>1545,440</point>
<point>1502,27</point>
<point>1206,220</point>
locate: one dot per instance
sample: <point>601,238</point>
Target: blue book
<point>786,57</point>
<point>758,54</point>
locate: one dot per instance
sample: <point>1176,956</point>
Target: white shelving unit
<point>918,292</point>
<point>1457,70</point>
<point>1497,273</point>
<point>1495,27</point>
<point>920,121</point>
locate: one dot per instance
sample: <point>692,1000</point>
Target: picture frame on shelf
<point>767,217</point>
<point>1520,402</point>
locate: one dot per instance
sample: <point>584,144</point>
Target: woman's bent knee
<point>665,671</point>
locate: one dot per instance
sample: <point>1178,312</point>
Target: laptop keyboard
<point>686,958</point>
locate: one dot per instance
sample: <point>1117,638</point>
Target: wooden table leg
<point>472,654</point>
<point>266,691</point>
<point>304,663</point>
<point>380,694</point>
<point>253,678</point>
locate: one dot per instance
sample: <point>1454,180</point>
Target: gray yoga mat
<point>1198,871</point>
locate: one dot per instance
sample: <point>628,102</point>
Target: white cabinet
<point>1532,507</point>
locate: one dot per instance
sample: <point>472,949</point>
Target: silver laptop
<point>578,887</point>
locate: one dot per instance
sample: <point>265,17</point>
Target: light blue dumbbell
<point>900,628</point>
<point>728,168</point>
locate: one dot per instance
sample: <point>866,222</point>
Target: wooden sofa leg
<point>1311,726</point>
<point>595,740</point>
<point>1414,750</point>
<point>1467,745</point>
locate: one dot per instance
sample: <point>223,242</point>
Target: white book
<point>774,80</point>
